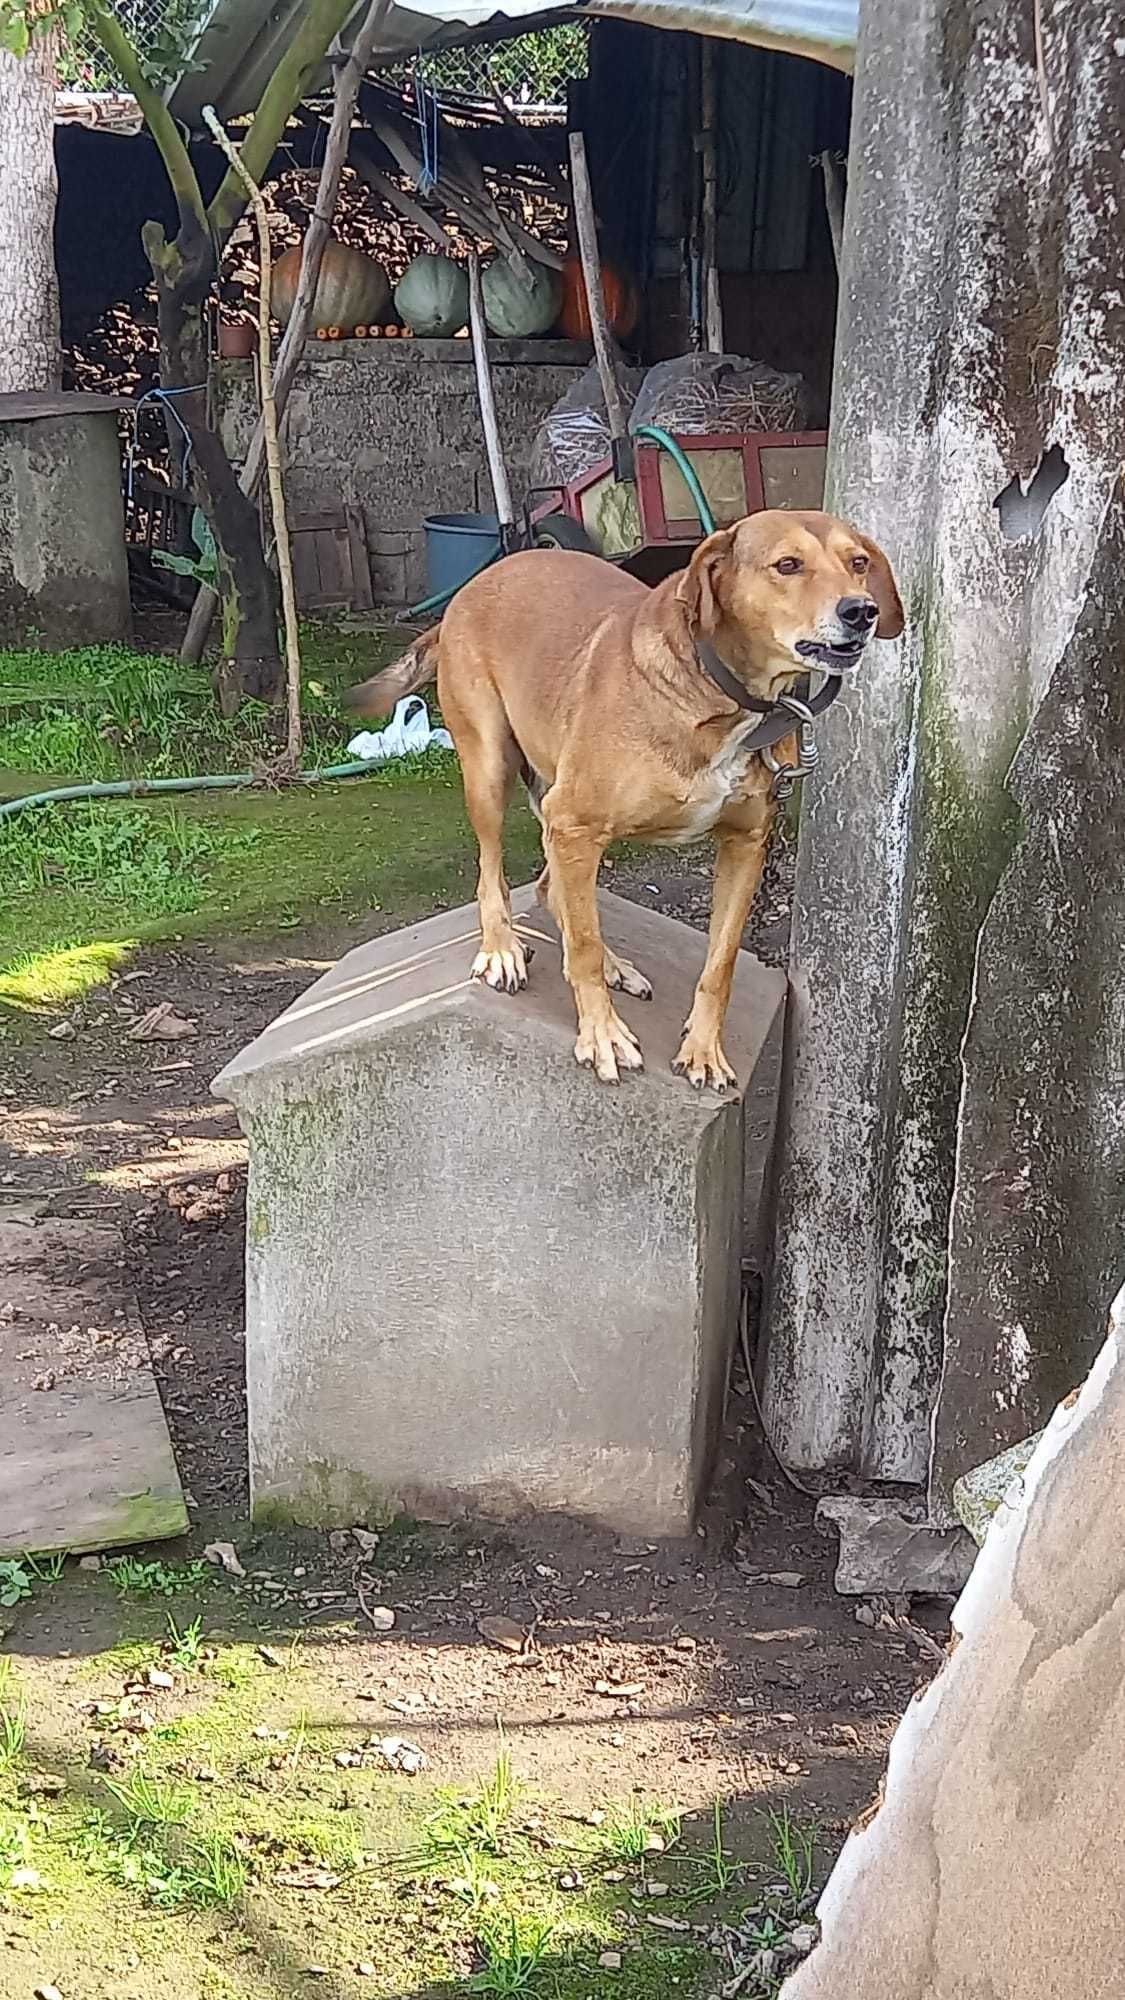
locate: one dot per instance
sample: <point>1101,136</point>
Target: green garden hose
<point>140,788</point>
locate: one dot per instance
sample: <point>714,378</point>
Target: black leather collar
<point>779,718</point>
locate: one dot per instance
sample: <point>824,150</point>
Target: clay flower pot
<point>237,339</point>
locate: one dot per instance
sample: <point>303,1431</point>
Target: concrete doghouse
<point>64,576</point>
<point>478,1280</point>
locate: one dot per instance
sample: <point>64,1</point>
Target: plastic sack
<point>407,734</point>
<point>695,394</point>
<point>574,435</point>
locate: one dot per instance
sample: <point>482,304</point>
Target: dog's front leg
<point>738,871</point>
<point>573,854</point>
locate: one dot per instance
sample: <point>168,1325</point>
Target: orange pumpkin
<point>622,302</point>
<point>351,290</point>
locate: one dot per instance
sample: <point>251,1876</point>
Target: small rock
<point>864,1615</point>
<point>623,1691</point>
<point>47,1993</point>
<point>571,1878</point>
<point>339,1540</point>
<point>222,1554</point>
<point>610,1961</point>
<point>63,1031</point>
<point>654,1888</point>
<point>45,1381</point>
<point>803,1939</point>
<point>687,1644</point>
<point>366,1539</point>
<point>365,1969</point>
<point>89,1562</point>
<point>271,1656</point>
<point>42,1785</point>
<point>405,1757</point>
<point>25,1878</point>
<point>668,1924</point>
<point>655,1843</point>
<point>381,1618</point>
<point>157,1678</point>
<point>787,1579</point>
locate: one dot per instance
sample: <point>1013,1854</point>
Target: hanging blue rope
<point>426,111</point>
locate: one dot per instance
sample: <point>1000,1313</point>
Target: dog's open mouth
<point>838,659</point>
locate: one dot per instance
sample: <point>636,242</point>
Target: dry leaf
<point>619,1691</point>
<point>503,1632</point>
<point>162,1024</point>
<point>306,1878</point>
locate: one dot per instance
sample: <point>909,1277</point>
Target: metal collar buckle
<point>785,776</point>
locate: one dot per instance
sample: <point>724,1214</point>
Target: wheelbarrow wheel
<point>561,531</point>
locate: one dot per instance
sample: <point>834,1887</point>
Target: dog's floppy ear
<point>881,583</point>
<point>697,589</point>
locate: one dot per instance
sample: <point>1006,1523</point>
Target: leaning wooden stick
<point>348,81</point>
<point>496,467</point>
<point>587,229</point>
<point>273,448</point>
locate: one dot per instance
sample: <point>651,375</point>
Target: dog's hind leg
<point>605,1042</point>
<point>490,759</point>
<point>620,975</point>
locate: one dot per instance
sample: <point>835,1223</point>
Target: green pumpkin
<point>516,305</point>
<point>432,296</point>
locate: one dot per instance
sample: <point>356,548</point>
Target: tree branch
<point>158,118</point>
<point>322,21</point>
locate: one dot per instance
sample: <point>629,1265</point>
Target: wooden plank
<point>85,1457</point>
<point>363,597</point>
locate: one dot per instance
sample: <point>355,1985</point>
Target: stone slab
<point>85,1457</point>
<point>890,1546</point>
<point>478,1280</point>
<point>995,1865</point>
<point>64,574</point>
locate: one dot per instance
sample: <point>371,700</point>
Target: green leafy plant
<point>512,1950</point>
<point>15,1583</point>
<point>46,1569</point>
<point>477,1824</point>
<point>13,1720</point>
<point>794,1848</point>
<point>156,1579</point>
<point>203,567</point>
<point>149,1801</point>
<point>640,1828</point>
<point>185,1644</point>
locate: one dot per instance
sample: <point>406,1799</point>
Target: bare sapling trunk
<point>30,343</point>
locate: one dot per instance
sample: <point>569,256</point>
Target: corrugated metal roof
<point>242,40</point>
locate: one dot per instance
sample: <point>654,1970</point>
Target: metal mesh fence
<point>532,69</point>
<point>528,69</point>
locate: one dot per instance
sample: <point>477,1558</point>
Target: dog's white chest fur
<point>714,787</point>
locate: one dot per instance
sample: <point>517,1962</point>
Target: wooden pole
<point>834,202</point>
<point>712,303</point>
<point>587,230</point>
<point>348,79</point>
<point>502,492</point>
<point>273,448</point>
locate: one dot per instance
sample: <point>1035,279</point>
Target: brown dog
<point>627,711</point>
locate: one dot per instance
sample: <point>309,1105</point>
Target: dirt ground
<point>734,1685</point>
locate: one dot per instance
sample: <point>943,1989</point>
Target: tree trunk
<point>251,663</point>
<point>30,343</point>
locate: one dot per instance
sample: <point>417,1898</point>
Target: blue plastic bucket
<point>458,546</point>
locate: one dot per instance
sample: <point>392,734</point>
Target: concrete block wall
<point>392,427</point>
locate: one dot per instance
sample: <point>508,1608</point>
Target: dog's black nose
<point>857,613</point>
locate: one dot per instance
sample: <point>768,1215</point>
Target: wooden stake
<point>502,492</point>
<point>587,230</point>
<point>346,91</point>
<point>834,203</point>
<point>273,448</point>
<point>712,303</point>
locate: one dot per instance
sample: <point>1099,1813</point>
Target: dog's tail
<point>416,669</point>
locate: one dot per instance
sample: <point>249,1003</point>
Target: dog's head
<point>780,593</point>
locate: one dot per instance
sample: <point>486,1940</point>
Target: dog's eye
<point>861,565</point>
<point>789,566</point>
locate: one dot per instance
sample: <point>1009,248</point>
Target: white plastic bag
<point>407,733</point>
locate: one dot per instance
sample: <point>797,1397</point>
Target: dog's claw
<point>703,1063</point>
<point>622,977</point>
<point>608,1048</point>
<point>505,971</point>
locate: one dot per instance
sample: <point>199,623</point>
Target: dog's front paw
<point>607,1046</point>
<point>504,969</point>
<point>702,1061</point>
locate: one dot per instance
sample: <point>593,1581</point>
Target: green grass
<point>82,887</point>
<point>513,1949</point>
